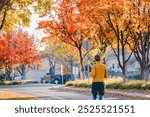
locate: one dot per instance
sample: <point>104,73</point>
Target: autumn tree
<point>67,25</point>
<point>27,53</point>
<point>123,24</point>
<point>6,58</point>
<point>17,51</point>
<point>109,15</point>
<point>18,12</point>
<point>139,29</point>
<point>98,38</point>
<point>59,53</point>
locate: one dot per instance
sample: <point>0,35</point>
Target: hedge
<point>17,82</point>
<point>113,83</point>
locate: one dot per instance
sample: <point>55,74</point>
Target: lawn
<point>15,96</point>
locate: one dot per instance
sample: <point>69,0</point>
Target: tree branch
<point>3,20</point>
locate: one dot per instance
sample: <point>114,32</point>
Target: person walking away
<point>98,73</point>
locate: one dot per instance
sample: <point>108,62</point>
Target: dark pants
<point>98,89</point>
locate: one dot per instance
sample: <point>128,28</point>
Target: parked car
<point>55,79</point>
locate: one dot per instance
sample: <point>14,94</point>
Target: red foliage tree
<point>17,51</point>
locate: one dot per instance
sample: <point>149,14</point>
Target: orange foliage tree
<point>67,24</point>
<point>114,18</point>
<point>118,23</point>
<point>109,16</point>
<point>17,51</point>
<point>139,29</point>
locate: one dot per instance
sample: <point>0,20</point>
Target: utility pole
<point>72,76</point>
<point>62,74</point>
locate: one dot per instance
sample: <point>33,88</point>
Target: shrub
<point>11,83</point>
<point>113,80</point>
<point>27,82</point>
<point>69,83</point>
<point>132,84</point>
<point>17,82</point>
<point>34,82</point>
<point>1,83</point>
<point>146,86</point>
<point>8,82</point>
<point>82,83</point>
<point>113,83</point>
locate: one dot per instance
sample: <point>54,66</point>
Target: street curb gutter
<point>129,94</point>
<point>108,92</point>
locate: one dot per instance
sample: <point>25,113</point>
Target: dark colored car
<point>56,79</point>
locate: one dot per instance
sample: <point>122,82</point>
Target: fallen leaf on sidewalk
<point>15,96</point>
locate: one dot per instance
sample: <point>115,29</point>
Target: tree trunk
<point>71,66</point>
<point>3,20</point>
<point>81,63</point>
<point>104,61</point>
<point>52,64</point>
<point>124,74</point>
<point>144,74</point>
<point>7,74</point>
<point>23,73</point>
<point>82,71</point>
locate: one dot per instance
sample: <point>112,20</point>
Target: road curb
<point>127,95</point>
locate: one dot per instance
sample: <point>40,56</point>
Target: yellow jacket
<point>99,72</point>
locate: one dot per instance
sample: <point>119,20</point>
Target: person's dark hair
<point>97,57</point>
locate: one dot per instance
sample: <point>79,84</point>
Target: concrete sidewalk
<point>129,94</point>
<point>108,91</point>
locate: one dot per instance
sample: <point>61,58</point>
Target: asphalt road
<point>43,91</point>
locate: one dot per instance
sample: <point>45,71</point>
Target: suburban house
<point>133,67</point>
<point>41,72</point>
